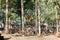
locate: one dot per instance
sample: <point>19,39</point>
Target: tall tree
<point>38,9</point>
<point>35,15</point>
<point>22,16</point>
<point>7,20</point>
<point>56,7</point>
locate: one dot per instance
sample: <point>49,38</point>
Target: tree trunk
<point>57,17</point>
<point>7,20</point>
<point>56,21</point>
<point>38,5</point>
<point>22,11</point>
<point>36,16</point>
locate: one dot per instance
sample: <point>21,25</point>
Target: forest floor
<point>13,37</point>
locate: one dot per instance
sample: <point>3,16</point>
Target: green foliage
<point>47,11</point>
<point>47,8</point>
<point>13,16</point>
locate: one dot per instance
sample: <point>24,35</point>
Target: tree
<point>35,16</point>
<point>38,9</point>
<point>7,20</point>
<point>22,16</point>
<point>57,7</point>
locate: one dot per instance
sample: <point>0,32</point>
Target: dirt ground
<point>13,37</point>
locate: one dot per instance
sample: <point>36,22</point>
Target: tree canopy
<point>47,8</point>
